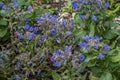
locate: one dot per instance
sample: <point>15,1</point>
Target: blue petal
<point>82,57</point>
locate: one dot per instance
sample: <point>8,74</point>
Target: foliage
<point>115,7</point>
<point>10,14</point>
<point>67,7</point>
<point>45,46</point>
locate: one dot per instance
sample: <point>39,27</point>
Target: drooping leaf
<point>3,13</point>
<point>29,15</point>
<point>3,32</point>
<point>109,34</point>
<point>115,58</point>
<point>106,76</point>
<point>77,19</point>
<point>92,29</point>
<point>3,22</point>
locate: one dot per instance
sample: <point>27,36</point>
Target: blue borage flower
<point>83,45</point>
<point>100,5</point>
<point>94,18</point>
<point>27,26</point>
<point>84,2</point>
<point>18,66</point>
<point>39,20</point>
<point>84,17</point>
<point>15,6</point>
<point>14,1</point>
<point>17,34</point>
<point>31,29</point>
<point>68,49</point>
<point>101,56</point>
<point>64,22</point>
<point>82,57</point>
<point>38,72</point>
<point>87,37</point>
<point>42,59</point>
<point>30,37</point>
<point>21,37</point>
<point>49,15</point>
<point>6,8</point>
<point>75,5</point>
<point>28,73</point>
<point>53,17</point>
<point>96,38</point>
<point>56,52</point>
<point>53,31</point>
<point>30,8</point>
<point>36,29</point>
<point>107,4</point>
<point>106,48</point>
<point>17,78</point>
<point>1,4</point>
<point>44,37</point>
<point>68,33</point>
<point>52,59</point>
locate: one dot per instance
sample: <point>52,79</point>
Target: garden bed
<point>81,41</point>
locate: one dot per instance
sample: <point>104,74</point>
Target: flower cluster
<point>88,45</point>
<point>61,58</point>
<point>44,40</point>
<point>48,32</point>
<point>94,42</point>
<point>47,25</point>
<point>4,7</point>
<point>79,4</point>
<point>94,9</point>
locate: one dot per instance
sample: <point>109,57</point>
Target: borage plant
<point>48,47</point>
<point>93,16</point>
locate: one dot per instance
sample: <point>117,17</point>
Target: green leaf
<point>112,52</point>
<point>109,34</point>
<point>2,13</point>
<point>55,75</point>
<point>92,77</point>
<point>92,29</point>
<point>117,32</point>
<point>77,19</point>
<point>65,75</point>
<point>90,58</point>
<point>115,58</point>
<point>28,2</point>
<point>69,3</point>
<point>3,32</point>
<point>106,76</point>
<point>21,2</point>
<point>113,24</point>
<point>40,12</point>
<point>29,15</point>
<point>79,34</point>
<point>3,22</point>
